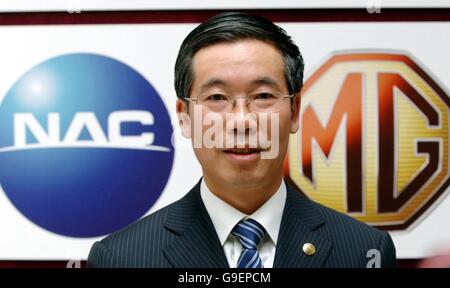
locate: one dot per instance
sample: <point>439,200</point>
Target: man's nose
<point>243,120</point>
<point>240,106</point>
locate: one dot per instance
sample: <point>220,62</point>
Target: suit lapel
<point>197,244</point>
<point>298,227</point>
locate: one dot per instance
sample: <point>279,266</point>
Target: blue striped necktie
<point>249,233</point>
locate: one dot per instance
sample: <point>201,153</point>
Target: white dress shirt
<point>224,217</point>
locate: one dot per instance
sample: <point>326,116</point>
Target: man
<point>241,213</point>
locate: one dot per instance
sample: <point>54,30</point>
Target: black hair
<point>231,27</point>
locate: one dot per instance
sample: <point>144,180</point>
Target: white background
<point>151,49</point>
<point>85,5</point>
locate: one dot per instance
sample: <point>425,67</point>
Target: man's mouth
<point>243,156</point>
<point>242,151</point>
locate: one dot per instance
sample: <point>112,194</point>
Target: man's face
<point>240,69</point>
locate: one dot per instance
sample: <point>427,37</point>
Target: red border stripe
<point>196,16</point>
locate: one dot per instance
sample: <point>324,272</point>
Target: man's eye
<point>216,97</point>
<point>264,96</point>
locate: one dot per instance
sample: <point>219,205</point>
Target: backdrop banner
<point>89,139</point>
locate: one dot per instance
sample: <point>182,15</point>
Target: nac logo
<point>85,145</point>
<point>374,138</point>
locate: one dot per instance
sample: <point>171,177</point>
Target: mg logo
<point>374,138</point>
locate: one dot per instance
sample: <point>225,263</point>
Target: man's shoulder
<point>341,222</point>
<point>153,226</point>
<point>137,245</point>
<point>142,243</point>
<point>353,241</point>
<point>144,229</point>
<point>332,220</point>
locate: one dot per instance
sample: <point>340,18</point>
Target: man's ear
<point>184,120</point>
<point>295,110</point>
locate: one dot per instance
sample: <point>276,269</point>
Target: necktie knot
<point>249,233</point>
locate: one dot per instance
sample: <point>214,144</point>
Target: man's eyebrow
<point>259,81</point>
<point>267,81</point>
<point>211,83</point>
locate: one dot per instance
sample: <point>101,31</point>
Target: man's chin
<point>244,178</point>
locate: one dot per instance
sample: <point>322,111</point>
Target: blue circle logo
<point>85,145</point>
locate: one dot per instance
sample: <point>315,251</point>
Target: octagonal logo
<point>373,139</point>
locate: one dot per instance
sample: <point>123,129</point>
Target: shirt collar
<point>224,216</point>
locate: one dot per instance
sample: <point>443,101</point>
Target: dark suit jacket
<point>182,235</point>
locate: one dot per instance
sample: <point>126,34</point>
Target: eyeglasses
<point>256,102</point>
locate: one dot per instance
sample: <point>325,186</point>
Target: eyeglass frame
<point>195,99</point>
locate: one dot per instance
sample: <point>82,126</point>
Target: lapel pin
<point>309,249</point>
